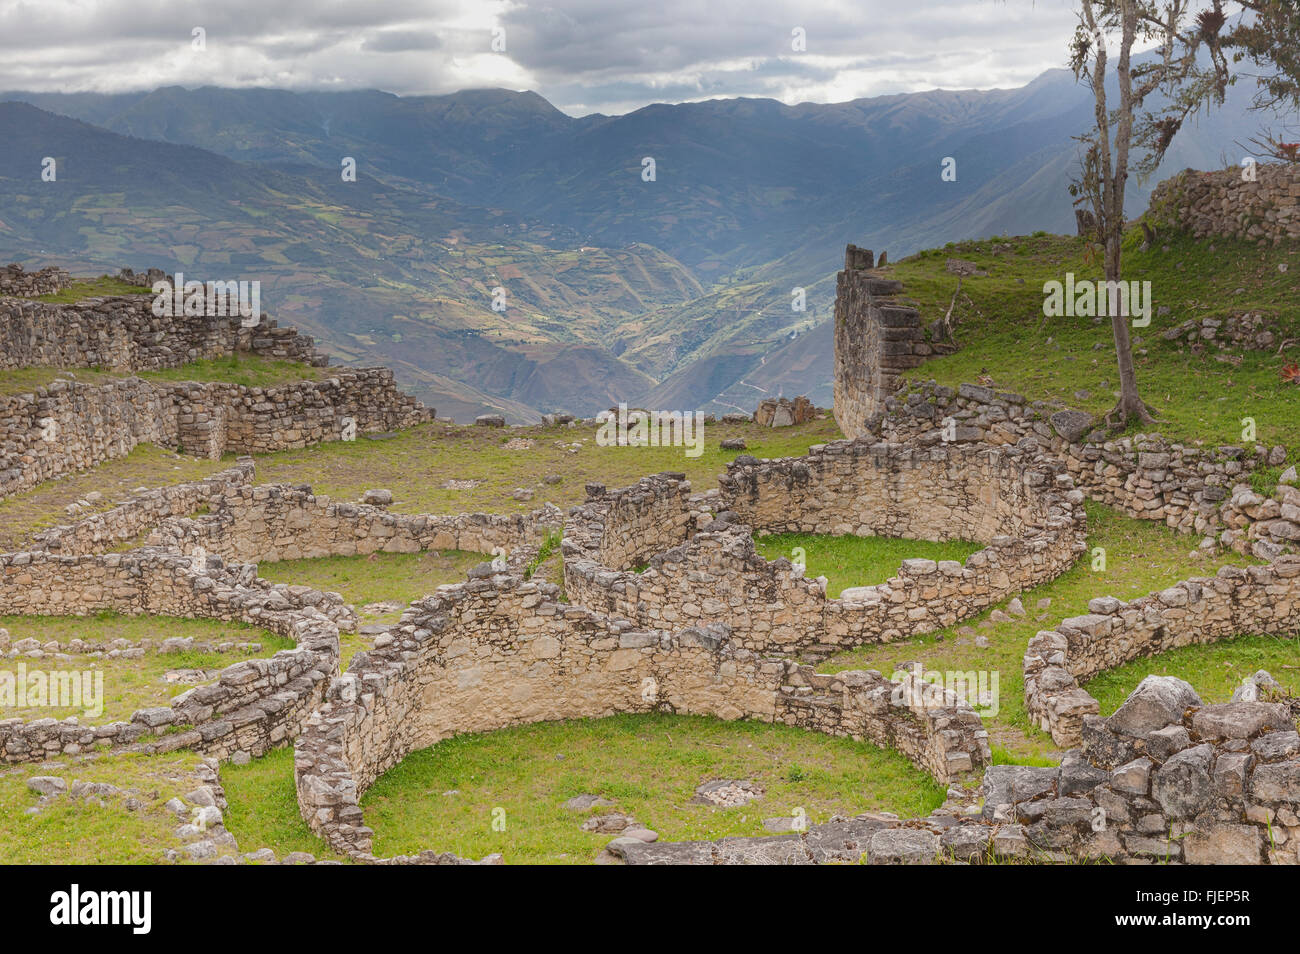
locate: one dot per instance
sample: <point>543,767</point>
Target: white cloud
<point>583,55</point>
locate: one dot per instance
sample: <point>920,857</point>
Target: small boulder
<point>1158,701</point>
<point>1071,425</point>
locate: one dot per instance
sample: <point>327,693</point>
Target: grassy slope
<point>1003,333</point>
<point>415,463</point>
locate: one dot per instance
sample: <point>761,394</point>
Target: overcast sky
<point>584,56</point>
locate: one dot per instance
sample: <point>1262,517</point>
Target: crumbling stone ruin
<point>1031,522</point>
<point>877,340</point>
<point>1228,203</point>
<point>670,608</point>
<point>1252,599</point>
<point>1205,491</point>
<point>23,284</point>
<point>783,412</point>
<point>70,425</point>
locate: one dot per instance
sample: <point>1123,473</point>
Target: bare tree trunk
<point>1114,178</point>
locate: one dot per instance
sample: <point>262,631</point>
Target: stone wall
<point>1021,506</point>
<point>68,426</point>
<point>276,522</point>
<point>1202,490</point>
<point>1221,203</point>
<point>142,511</point>
<point>21,284</point>
<point>625,527</point>
<point>1167,779</point>
<point>1237,601</point>
<point>254,705</point>
<point>98,422</point>
<point>499,651</point>
<point>876,340</point>
<point>122,334</point>
<point>216,417</point>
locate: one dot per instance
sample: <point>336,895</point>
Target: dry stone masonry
<point>253,706</point>
<point>1238,600</point>
<point>121,333</point>
<point>877,340</point>
<point>702,567</point>
<point>1206,491</point>
<point>499,651</point>
<point>1226,204</point>
<point>69,425</point>
<point>21,284</point>
<point>275,522</point>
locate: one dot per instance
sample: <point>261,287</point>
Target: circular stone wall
<point>254,705</point>
<point>499,651</point>
<point>705,570</point>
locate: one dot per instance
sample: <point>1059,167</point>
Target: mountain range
<point>673,293</point>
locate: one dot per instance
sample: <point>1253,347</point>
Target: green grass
<point>147,465</point>
<point>1003,333</point>
<point>70,831</point>
<point>249,370</point>
<point>858,561</point>
<point>1215,670</point>
<point>1141,557</point>
<point>444,797</point>
<point>28,380</point>
<point>375,578</point>
<point>128,684</point>
<point>94,288</point>
<point>262,807</point>
<point>416,462</point>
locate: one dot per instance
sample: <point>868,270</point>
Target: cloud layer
<point>585,56</point>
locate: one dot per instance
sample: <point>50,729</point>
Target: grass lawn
<point>375,578</point>
<point>100,287</point>
<point>1003,333</point>
<point>250,370</point>
<point>416,463</point>
<point>262,807</point>
<point>858,561</point>
<point>444,797</point>
<point>1141,557</point>
<point>128,684</point>
<point>76,831</point>
<point>1215,670</point>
